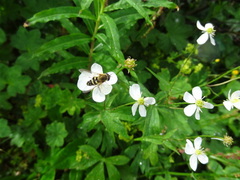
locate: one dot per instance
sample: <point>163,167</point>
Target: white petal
<point>212,40</point>
<point>199,26</point>
<point>208,105</point>
<point>83,78</point>
<point>187,97</point>
<point>189,149</point>
<point>190,109</point>
<point>135,92</point>
<point>134,108</point>
<point>229,94</point>
<point>209,25</point>
<point>97,95</point>
<point>113,78</point>
<point>197,92</point>
<point>149,100</point>
<point>197,113</point>
<point>235,95</point>
<point>142,111</point>
<point>228,105</point>
<point>203,158</point>
<point>197,142</point>
<point>193,162</point>
<point>237,105</point>
<point>203,38</point>
<point>105,88</point>
<point>96,68</point>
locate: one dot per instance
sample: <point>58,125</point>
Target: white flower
<point>197,101</point>
<point>136,94</point>
<point>208,32</point>
<point>88,81</point>
<point>233,100</point>
<point>196,153</point>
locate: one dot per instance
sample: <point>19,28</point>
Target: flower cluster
<point>101,85</point>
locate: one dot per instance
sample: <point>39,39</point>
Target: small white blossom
<point>208,32</point>
<point>100,89</point>
<point>196,153</point>
<point>197,103</point>
<point>233,100</point>
<point>136,94</point>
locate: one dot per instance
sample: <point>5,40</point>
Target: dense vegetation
<point>51,129</point>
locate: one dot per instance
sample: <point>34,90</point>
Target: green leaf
<point>151,153</point>
<point>4,104</point>
<point>138,6</point>
<point>2,36</point>
<point>113,173</point>
<point>16,81</point>
<point>67,64</point>
<point>113,35</point>
<point>164,78</point>
<point>91,152</point>
<point>56,133</point>
<point>162,3</point>
<point>96,173</point>
<point>27,40</point>
<point>57,14</point>
<point>49,175</point>
<point>5,129</point>
<point>85,4</point>
<point>63,42</point>
<point>118,160</point>
<point>113,124</point>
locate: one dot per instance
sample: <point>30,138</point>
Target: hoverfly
<point>97,80</point>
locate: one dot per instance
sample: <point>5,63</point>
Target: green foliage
<point>52,130</point>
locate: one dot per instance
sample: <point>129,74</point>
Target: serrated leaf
<point>56,133</point>
<point>138,6</point>
<point>63,42</point>
<point>57,14</point>
<point>67,64</point>
<point>5,129</point>
<point>118,160</point>
<point>113,35</point>
<point>162,3</point>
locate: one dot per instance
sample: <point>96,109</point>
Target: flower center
<point>210,31</point>
<point>199,103</point>
<point>141,101</point>
<point>198,152</point>
<point>236,100</point>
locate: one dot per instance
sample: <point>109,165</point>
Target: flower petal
<point>199,26</point>
<point>203,158</point>
<point>189,149</point>
<point>83,78</point>
<point>212,40</point>
<point>97,95</point>
<point>149,100</point>
<point>135,92</point>
<point>113,78</point>
<point>203,38</point>
<point>96,68</point>
<point>193,162</point>
<point>105,88</point>
<point>187,97</point>
<point>142,111</point>
<point>228,105</point>
<point>237,105</point>
<point>134,108</point>
<point>197,92</point>
<point>190,109</point>
<point>235,95</point>
<point>208,26</point>
<point>208,105</point>
<point>197,113</point>
<point>197,142</point>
